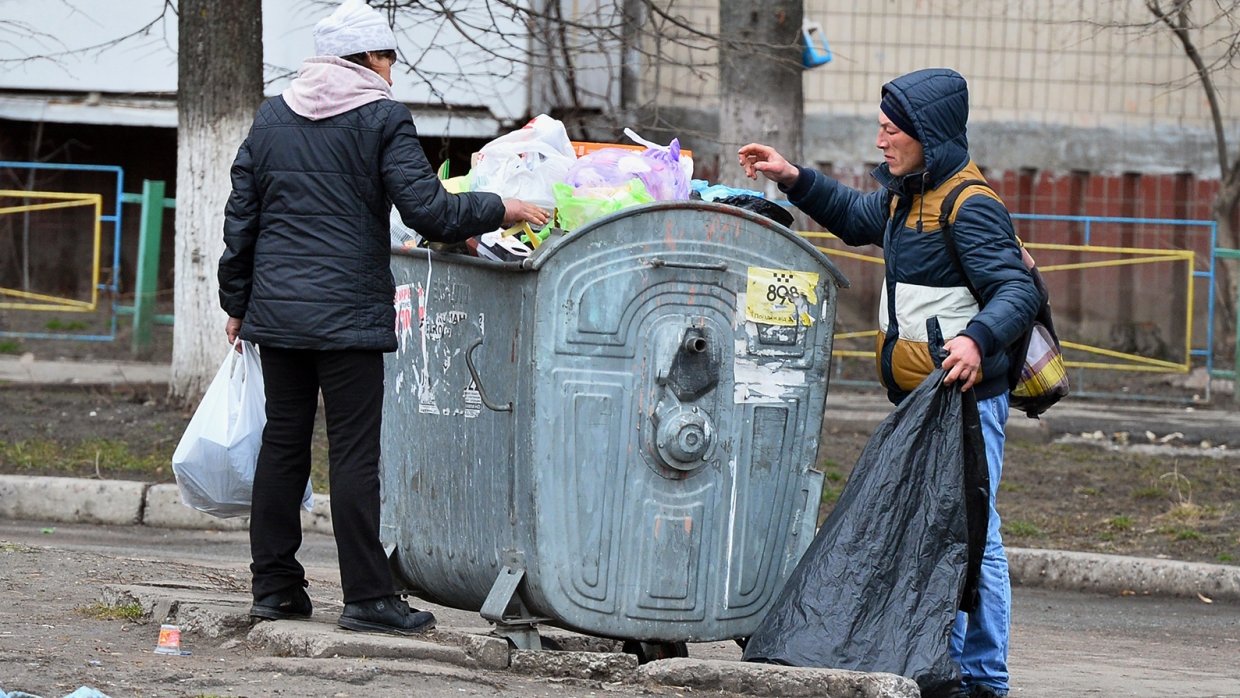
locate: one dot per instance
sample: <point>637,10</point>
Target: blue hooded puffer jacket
<point>903,218</point>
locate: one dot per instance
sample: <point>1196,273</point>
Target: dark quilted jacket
<point>306,228</point>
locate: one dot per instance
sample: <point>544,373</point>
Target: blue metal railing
<point>112,284</point>
<point>1209,273</point>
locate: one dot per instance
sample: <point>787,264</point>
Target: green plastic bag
<point>575,207</point>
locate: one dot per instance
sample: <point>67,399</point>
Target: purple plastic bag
<point>660,168</point>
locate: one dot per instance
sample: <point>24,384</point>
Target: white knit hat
<point>354,27</point>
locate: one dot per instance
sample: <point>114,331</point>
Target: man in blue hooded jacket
<point>922,133</point>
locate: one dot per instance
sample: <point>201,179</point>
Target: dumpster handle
<point>715,266</point>
<point>473,372</point>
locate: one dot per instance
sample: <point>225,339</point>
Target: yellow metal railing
<point>1124,361</point>
<point>30,300</point>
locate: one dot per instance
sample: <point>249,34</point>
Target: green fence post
<point>146,283</point>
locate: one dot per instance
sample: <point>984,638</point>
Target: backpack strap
<point>947,216</point>
<point>949,208</point>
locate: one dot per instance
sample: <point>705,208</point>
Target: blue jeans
<point>979,642</point>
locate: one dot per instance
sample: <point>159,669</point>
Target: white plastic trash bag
<point>215,460</point>
<point>525,163</point>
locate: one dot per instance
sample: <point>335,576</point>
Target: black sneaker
<point>951,689</point>
<point>286,604</point>
<point>984,691</point>
<point>386,614</point>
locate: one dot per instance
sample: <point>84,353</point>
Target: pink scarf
<point>326,86</point>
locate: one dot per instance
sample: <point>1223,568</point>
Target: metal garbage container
<point>617,435</point>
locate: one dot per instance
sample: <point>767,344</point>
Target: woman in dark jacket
<point>305,275</point>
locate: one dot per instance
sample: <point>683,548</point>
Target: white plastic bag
<point>525,163</point>
<point>215,460</point>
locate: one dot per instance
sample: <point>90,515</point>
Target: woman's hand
<point>517,211</point>
<point>232,328</point>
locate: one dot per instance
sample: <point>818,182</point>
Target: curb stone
<point>198,609</point>
<point>774,680</point>
<point>1117,574</point>
<point>124,503</point>
<point>609,667</point>
<point>71,500</point>
<point>164,509</point>
<point>213,614</point>
<point>320,640</point>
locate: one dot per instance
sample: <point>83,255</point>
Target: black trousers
<point>352,387</point>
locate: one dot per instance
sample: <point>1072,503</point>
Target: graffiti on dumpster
<point>430,342</point>
<point>442,324</point>
<point>404,313</point>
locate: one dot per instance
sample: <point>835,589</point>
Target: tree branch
<point>1177,21</point>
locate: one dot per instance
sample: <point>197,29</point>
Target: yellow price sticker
<point>780,296</point>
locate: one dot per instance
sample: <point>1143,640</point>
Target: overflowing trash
<point>579,181</point>
<point>525,164</point>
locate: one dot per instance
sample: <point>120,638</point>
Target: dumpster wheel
<point>654,651</point>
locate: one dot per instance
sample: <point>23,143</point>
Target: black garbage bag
<point>757,204</point>
<point>880,584</point>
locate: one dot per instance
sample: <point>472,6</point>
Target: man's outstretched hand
<point>756,158</point>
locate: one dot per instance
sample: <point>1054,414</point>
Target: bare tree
<point>1187,25</point>
<point>19,36</point>
<point>1177,16</point>
<point>601,65</point>
<point>219,87</point>
<point>761,98</point>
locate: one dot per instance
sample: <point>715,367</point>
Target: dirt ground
<point>1180,503</point>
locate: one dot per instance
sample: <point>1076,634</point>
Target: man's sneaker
<point>286,604</point>
<point>984,691</point>
<point>387,614</point>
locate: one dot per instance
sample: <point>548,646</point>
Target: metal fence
<point>1127,292</point>
<point>20,293</point>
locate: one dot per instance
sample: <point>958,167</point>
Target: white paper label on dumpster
<point>764,383</point>
<point>780,296</point>
<point>472,399</point>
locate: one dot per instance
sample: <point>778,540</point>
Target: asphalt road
<point>1063,643</point>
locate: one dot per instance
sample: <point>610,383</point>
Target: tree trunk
<point>1225,204</point>
<point>219,86</point>
<point>761,96</point>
